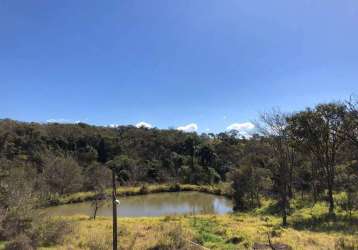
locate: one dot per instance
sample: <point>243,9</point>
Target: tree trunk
<point>302,194</point>
<point>114,211</point>
<point>314,190</point>
<point>284,216</point>
<point>258,199</point>
<point>284,207</point>
<point>95,210</point>
<point>330,199</point>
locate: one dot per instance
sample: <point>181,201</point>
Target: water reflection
<point>154,205</point>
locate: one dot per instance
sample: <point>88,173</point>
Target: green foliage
<point>208,233</point>
<point>142,155</point>
<point>309,154</point>
<point>62,175</point>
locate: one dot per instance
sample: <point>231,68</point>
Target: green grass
<point>2,245</point>
<point>309,227</point>
<point>207,233</point>
<point>231,231</point>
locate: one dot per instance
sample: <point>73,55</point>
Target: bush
<point>21,242</point>
<point>23,230</point>
<point>172,238</point>
<point>344,244</point>
<point>62,175</point>
<point>16,221</point>
<point>98,242</point>
<point>174,187</point>
<point>52,232</point>
<point>143,189</point>
<point>347,201</point>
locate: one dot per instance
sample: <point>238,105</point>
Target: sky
<point>195,65</point>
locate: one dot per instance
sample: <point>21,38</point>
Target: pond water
<point>153,205</point>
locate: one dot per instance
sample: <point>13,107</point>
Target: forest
<point>311,155</point>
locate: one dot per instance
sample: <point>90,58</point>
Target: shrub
<point>52,232</point>
<point>98,242</point>
<point>172,238</point>
<point>16,221</point>
<point>21,242</point>
<point>347,201</point>
<point>174,187</point>
<point>143,189</point>
<point>344,244</point>
<point>62,175</point>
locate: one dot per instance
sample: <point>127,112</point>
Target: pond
<point>157,204</point>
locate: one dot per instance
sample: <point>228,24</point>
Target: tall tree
<point>320,133</point>
<point>62,175</point>
<point>351,122</point>
<point>275,128</point>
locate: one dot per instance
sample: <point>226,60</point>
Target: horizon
<point>203,66</point>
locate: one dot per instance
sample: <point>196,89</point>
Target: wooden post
<point>114,197</point>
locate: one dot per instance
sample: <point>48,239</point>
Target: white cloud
<point>113,125</point>
<point>192,127</point>
<point>52,120</point>
<point>144,125</point>
<point>61,120</point>
<point>245,128</point>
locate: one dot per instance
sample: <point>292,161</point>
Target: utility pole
<point>114,203</point>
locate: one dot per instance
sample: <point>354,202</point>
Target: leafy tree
<point>347,178</point>
<point>97,176</point>
<point>351,122</point>
<point>247,184</point>
<point>62,175</point>
<point>275,128</point>
<point>320,132</point>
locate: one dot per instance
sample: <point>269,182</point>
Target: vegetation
<point>293,181</point>
<point>308,228</point>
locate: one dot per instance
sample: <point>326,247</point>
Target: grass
<point>309,226</point>
<point>220,189</point>
<point>230,231</point>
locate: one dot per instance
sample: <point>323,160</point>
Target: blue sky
<point>172,63</point>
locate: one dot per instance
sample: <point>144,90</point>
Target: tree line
<point>311,153</point>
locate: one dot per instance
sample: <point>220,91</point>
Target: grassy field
<point>308,229</point>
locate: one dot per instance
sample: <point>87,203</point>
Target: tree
<point>247,183</point>
<point>18,200</point>
<point>320,132</point>
<point>98,201</point>
<point>347,177</point>
<point>97,178</point>
<point>274,126</point>
<point>351,122</point>
<point>62,175</point>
